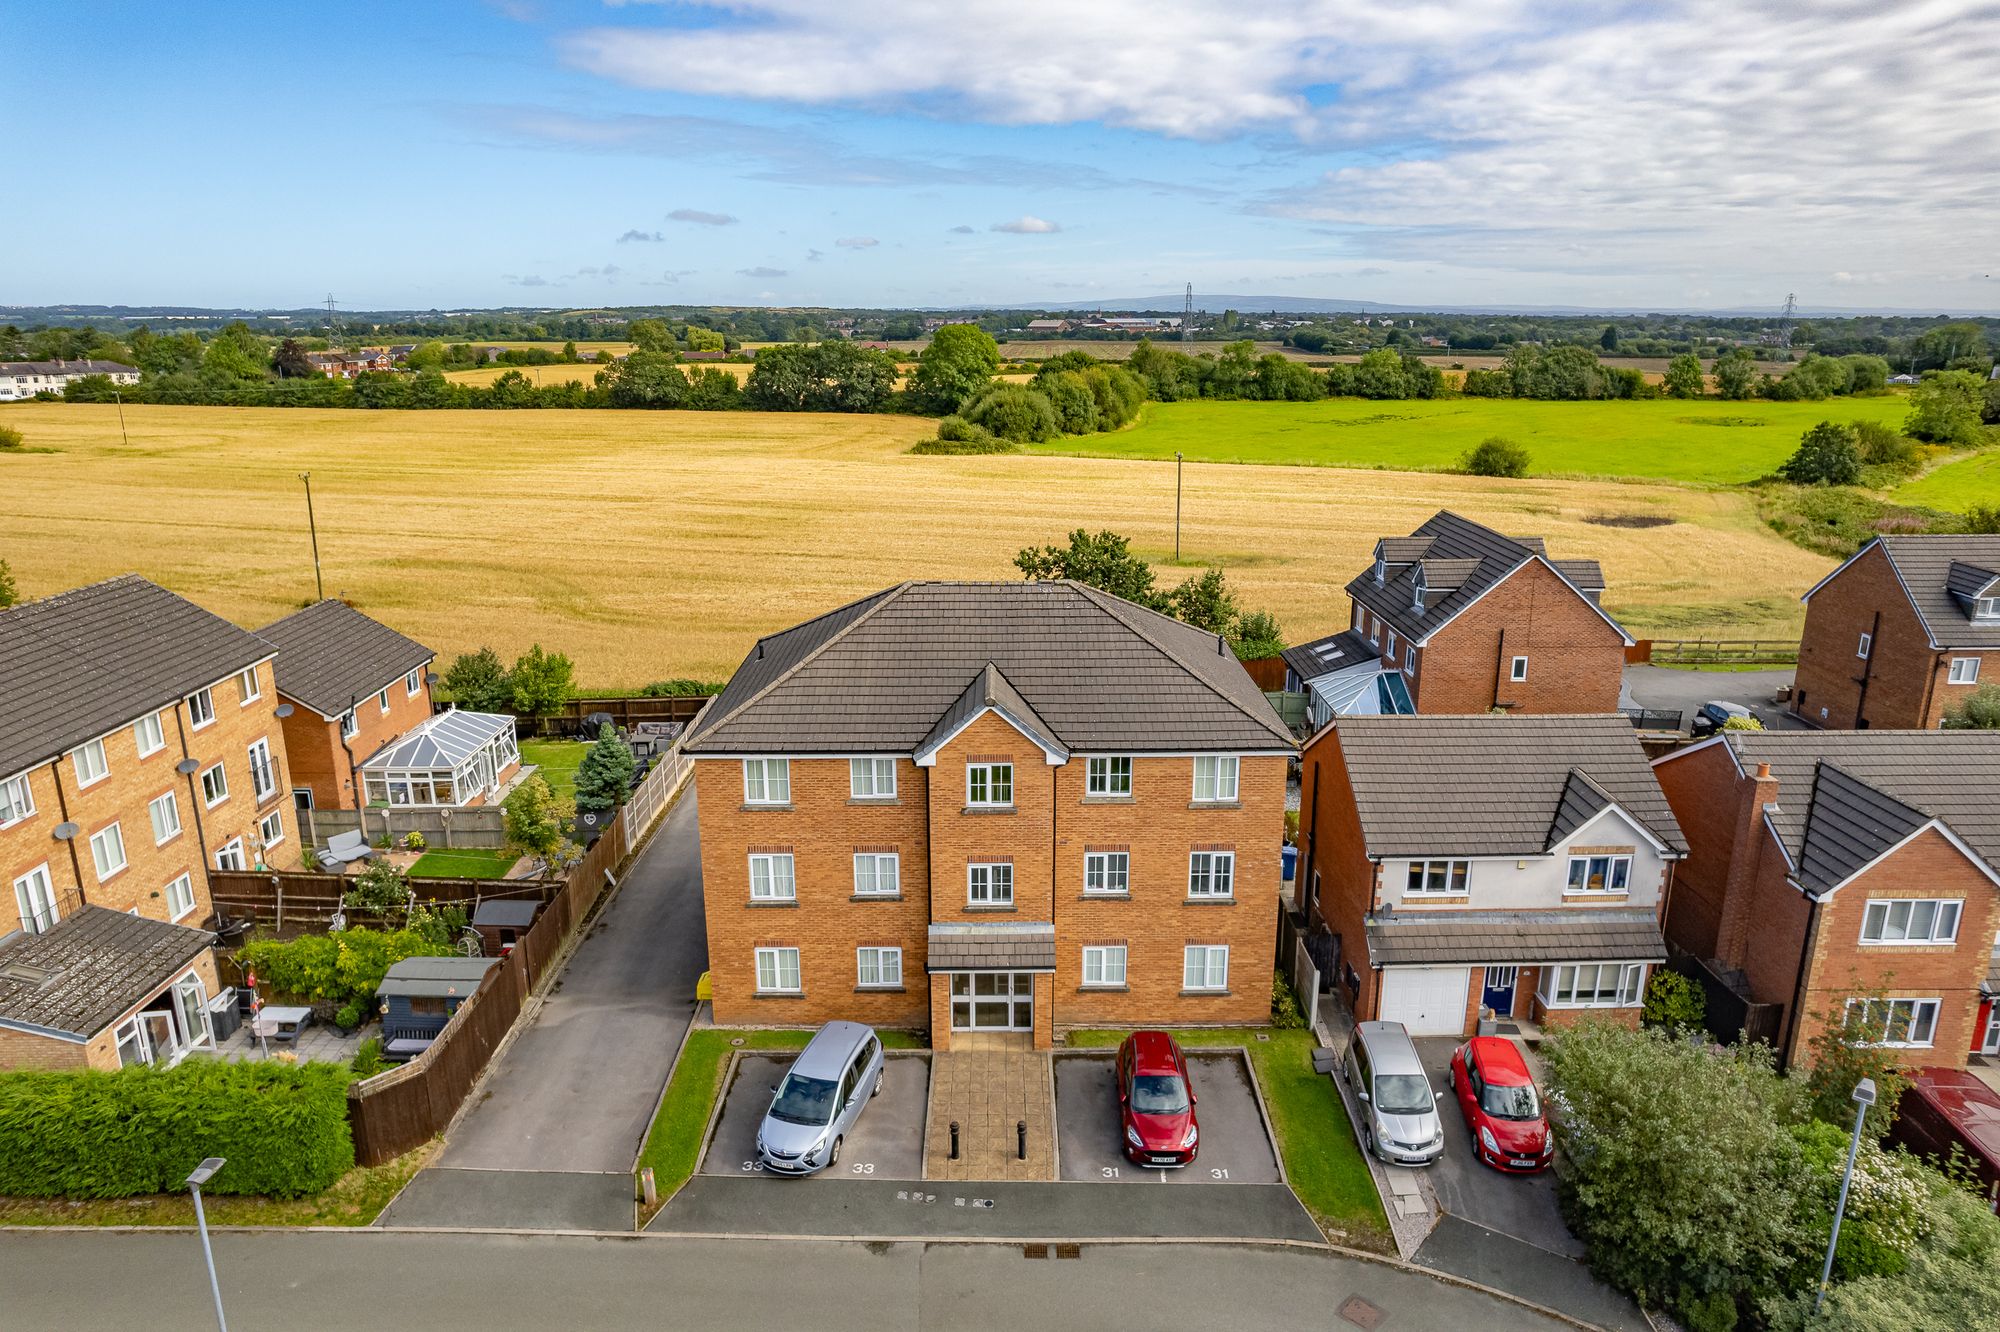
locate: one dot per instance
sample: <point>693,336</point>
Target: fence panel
<point>301,898</point>
<point>1741,651</point>
<point>1305,983</point>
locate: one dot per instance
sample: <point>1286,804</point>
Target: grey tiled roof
<point>1582,801</point>
<point>1492,785</point>
<point>1516,938</point>
<point>1938,591</point>
<point>1845,797</point>
<point>330,655</point>
<point>1335,652</point>
<point>1100,673</point>
<point>1461,560</point>
<point>989,689</point>
<point>78,664</point>
<point>89,967</point>
<point>1001,946</point>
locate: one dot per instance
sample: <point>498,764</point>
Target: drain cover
<point>1034,1250</point>
<point>1360,1312</point>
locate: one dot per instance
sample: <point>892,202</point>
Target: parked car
<point>1946,1108</point>
<point>1502,1108</point>
<point>1399,1116</point>
<point>1715,714</point>
<point>821,1097</point>
<point>1156,1101</point>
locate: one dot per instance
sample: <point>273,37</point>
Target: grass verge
<point>1323,1162</point>
<point>469,863</point>
<point>355,1199</point>
<point>558,760</point>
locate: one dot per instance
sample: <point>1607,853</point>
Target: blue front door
<point>1499,994</point>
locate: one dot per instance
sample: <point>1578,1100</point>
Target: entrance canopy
<point>1002,946</point>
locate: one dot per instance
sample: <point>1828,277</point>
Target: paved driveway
<point>1662,687</point>
<point>1523,1206</point>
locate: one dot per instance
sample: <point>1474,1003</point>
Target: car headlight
<point>1486,1136</point>
<point>1132,1136</point>
<point>1188,1140</point>
<point>812,1153</point>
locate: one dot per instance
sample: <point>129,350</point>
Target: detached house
<point>1518,864</point>
<point>1470,620</point>
<point>1013,807</point>
<point>1826,863</point>
<point>1900,632</point>
<point>138,749</point>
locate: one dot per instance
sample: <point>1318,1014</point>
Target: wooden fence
<point>627,711</point>
<point>304,899</point>
<point>1705,651</point>
<point>482,827</point>
<point>1268,672</point>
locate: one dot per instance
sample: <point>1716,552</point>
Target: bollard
<point>1021,1132</point>
<point>649,1192</point>
<point>954,1139</point>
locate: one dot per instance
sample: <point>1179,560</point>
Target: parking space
<point>1235,1147</point>
<point>887,1143</point>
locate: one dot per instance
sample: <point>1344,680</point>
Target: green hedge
<point>282,1127</point>
<point>334,968</point>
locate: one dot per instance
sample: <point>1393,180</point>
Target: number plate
<point>1166,1160</point>
<point>1525,1161</point>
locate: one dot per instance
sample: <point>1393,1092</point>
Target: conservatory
<point>455,758</point>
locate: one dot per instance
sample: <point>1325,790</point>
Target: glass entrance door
<point>993,1001</point>
<point>1991,1045</point>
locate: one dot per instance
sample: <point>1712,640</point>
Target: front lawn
<point>467,863</point>
<point>558,760</point>
<point>1323,1162</point>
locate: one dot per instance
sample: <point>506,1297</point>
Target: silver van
<point>821,1097</point>
<point>1399,1111</point>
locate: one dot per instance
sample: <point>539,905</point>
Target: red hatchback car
<point>1502,1108</point>
<point>1155,1101</point>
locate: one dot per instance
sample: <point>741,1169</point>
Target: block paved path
<point>988,1093</point>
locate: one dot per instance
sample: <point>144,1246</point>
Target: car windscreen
<point>1402,1094</point>
<point>1158,1094</point>
<point>1510,1102</point>
<point>803,1100</point>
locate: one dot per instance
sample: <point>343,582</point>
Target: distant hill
<point>1215,304</point>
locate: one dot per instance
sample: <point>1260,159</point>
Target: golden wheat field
<point>655,544</point>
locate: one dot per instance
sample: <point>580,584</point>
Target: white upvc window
<point>382,702</point>
<point>180,897</point>
<point>1907,920</point>
<point>1205,967</point>
<point>1438,878</point>
<point>1104,966</point>
<point>1390,647</point>
<point>107,851</point>
<point>1410,660</point>
<point>214,786</point>
<point>778,970</point>
<point>1212,874</point>
<point>35,895</point>
<point>1374,633</point>
<point>165,812</point>
<point>1964,670</point>
<point>17,800</point>
<point>1986,608</point>
<point>90,764</point>
<point>771,879</point>
<point>413,683</point>
<point>989,885</point>
<point>149,734</point>
<point>271,828</point>
<point>1108,872</point>
<point>878,968</point>
<point>263,778</point>
<point>1518,670</point>
<point>1215,777</point>
<point>1864,645</point>
<point>247,686</point>
<point>1357,617</point>
<point>1897,1022</point>
<point>1108,776</point>
<point>871,778</point>
<point>350,725</point>
<point>989,785</point>
<point>877,874</point>
<point>230,855</point>
<point>1593,985</point>
<point>767,781</point>
<point>201,708</point>
<point>1598,874</point>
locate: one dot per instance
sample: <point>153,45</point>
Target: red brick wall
<point>1330,842</point>
<point>1900,664</point>
<point>319,762</point>
<point>1706,793</point>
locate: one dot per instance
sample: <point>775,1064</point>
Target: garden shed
<point>501,921</point>
<point>419,995</point>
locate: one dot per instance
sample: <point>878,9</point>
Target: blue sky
<point>887,152</point>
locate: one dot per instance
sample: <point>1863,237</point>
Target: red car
<point>1502,1108</point>
<point>1155,1101</point>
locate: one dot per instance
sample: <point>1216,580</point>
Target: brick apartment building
<point>1517,864</point>
<point>1899,633</point>
<point>138,749</point>
<point>1467,620</point>
<point>995,807</point>
<point>1822,863</point>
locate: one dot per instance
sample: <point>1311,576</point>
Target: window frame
<point>222,779</point>
<point>33,923</point>
<point>350,724</point>
<point>103,760</point>
<point>1232,765</point>
<point>1108,788</point>
<point>25,808</point>
<point>1919,1006</point>
<point>140,736</point>
<point>261,748</point>
<point>1517,670</point>
<point>1887,908</point>
<point>883,953</point>
<point>173,808</point>
<point>1629,990</point>
<point>263,829</point>
<point>1209,952</point>
<point>771,774</point>
<point>771,861</point>
<point>777,955</point>
<point>987,781</point>
<point>248,687</point>
<point>1864,645</point>
<point>1615,883</point>
<point>995,871</point>
<point>1105,873</point>
<point>875,768</point>
<point>1456,873</point>
<point>233,849</point>
<point>413,683</point>
<point>1106,954</point>
<point>1221,867</point>
<point>186,882</point>
<point>1970,677</point>
<point>1410,659</point>
<point>895,860</point>
<point>117,839</point>
<point>200,701</point>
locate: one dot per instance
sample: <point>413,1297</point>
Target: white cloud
<point>637,235</point>
<point>857,242</point>
<point>961,230</point>
<point>1026,225</point>
<point>700,218</point>
<point>762,272</point>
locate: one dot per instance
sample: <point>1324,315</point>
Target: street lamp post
<point>1864,1096</point>
<point>1177,507</point>
<point>202,1174</point>
<point>313,526</point>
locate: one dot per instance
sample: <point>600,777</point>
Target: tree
<point>706,340</point>
<point>958,364</point>
<point>1608,339</point>
<point>10,594</point>
<point>1495,456</point>
<point>1016,412</point>
<point>1866,374</point>
<point>1977,711</point>
<point>1948,1280</point>
<point>540,682</point>
<point>290,361</point>
<point>604,778</point>
<point>1945,407</point>
<point>650,335</point>
<point>534,817</point>
<point>820,377</point>
<point>477,682</point>
<point>1674,1002</point>
<point>1104,561</point>
<point>644,379</point>
<point>1256,636</point>
<point>1828,455</point>
<point>569,352</point>
<point>1937,348</point>
<point>1072,401</point>
<point>429,355</point>
<point>1735,374</point>
<point>1849,1047</point>
<point>1205,602</point>
<point>236,354</point>
<point>1684,378</point>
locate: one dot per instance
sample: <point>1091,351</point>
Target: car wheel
<point>1368,1139</point>
<point>833,1157</point>
<point>880,1078</point>
<point>1451,1076</point>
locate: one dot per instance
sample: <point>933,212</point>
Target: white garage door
<point>1430,1001</point>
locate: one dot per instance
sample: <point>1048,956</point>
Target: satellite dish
<point>65,831</point>
<point>186,767</point>
<point>284,710</point>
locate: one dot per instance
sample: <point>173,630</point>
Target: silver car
<point>1399,1115</point>
<point>821,1097</point>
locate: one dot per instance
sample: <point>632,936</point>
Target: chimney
<point>1732,933</point>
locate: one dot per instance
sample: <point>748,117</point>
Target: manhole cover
<point>1360,1312</point>
<point>736,1040</point>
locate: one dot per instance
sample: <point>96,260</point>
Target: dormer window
<point>1381,567</point>
<point>1417,590</point>
<point>1986,608</point>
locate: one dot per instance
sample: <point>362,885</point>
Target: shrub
<point>1074,404</point>
<point>604,778</point>
<point>1487,384</point>
<point>680,689</point>
<point>367,1061</point>
<point>540,682</point>
<point>91,1134</point>
<point>1828,455</point>
<point>1014,412</point>
<point>380,888</point>
<point>1978,711</point>
<point>1674,1002</point>
<point>336,969</point>
<point>1983,519</point>
<point>956,435</point>
<point>477,682</point>
<point>1256,635</point>
<point>1495,456</point>
<point>414,841</point>
<point>1286,1015</point>
<point>1945,408</point>
<point>535,817</point>
<point>10,438</point>
<point>1880,446</point>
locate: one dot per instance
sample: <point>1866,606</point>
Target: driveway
<point>574,1093</point>
<point>1663,687</point>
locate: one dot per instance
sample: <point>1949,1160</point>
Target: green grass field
<point>1704,442</point>
<point>558,760</point>
<point>1956,486</point>
<point>464,864</point>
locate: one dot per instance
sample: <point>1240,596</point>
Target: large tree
<point>1735,374</point>
<point>959,363</point>
<point>1104,561</point>
<point>1945,408</point>
<point>604,777</point>
<point>477,682</point>
<point>1684,378</point>
<point>541,682</point>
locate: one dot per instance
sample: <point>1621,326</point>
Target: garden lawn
<point>1956,486</point>
<point>558,760</point>
<point>1323,1162</point>
<point>1708,442</point>
<point>469,863</point>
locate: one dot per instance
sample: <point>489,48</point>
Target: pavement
<point>1464,1249</point>
<point>887,1142</point>
<point>1686,690</point>
<point>559,1120</point>
<point>368,1281</point>
<point>1234,1147</point>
